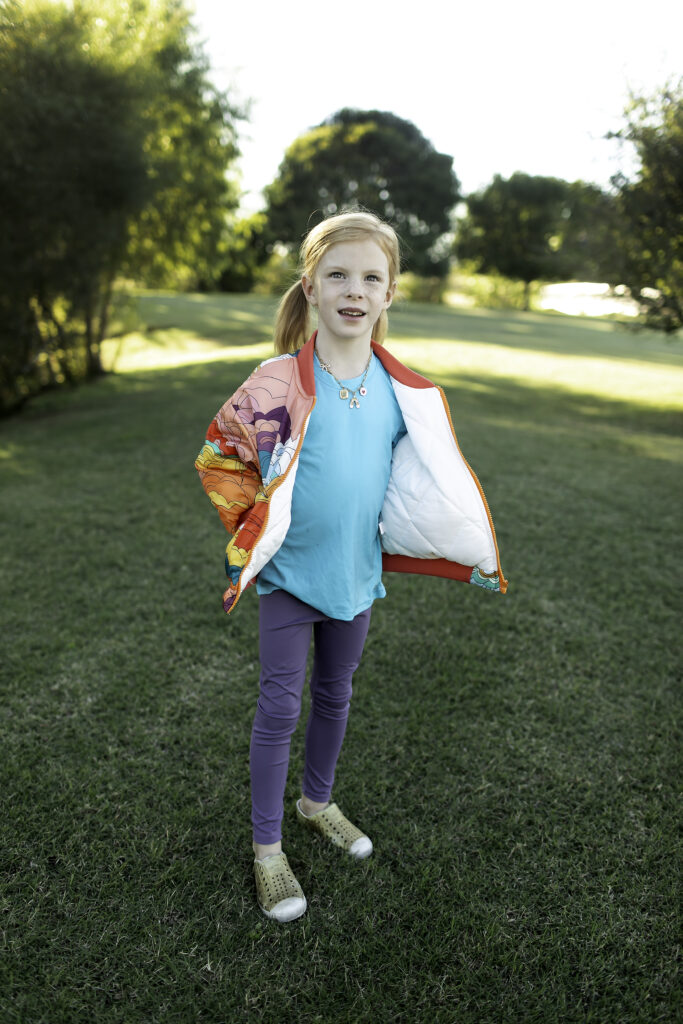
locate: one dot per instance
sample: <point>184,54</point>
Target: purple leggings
<point>285,627</point>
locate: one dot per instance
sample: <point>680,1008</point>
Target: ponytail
<point>379,331</point>
<point>292,321</point>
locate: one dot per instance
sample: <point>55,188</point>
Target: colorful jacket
<point>435,519</point>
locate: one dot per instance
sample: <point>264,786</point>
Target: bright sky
<point>529,85</point>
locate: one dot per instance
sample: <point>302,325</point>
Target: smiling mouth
<point>357,313</point>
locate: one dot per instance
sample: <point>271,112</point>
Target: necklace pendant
<point>363,392</point>
<point>344,394</point>
<point>354,403</point>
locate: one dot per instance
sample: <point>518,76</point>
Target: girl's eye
<point>336,273</point>
<point>373,277</point>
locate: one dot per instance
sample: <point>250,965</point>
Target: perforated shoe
<point>331,823</point>
<point>279,895</point>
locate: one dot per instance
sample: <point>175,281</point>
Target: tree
<point>242,253</point>
<point>71,172</point>
<point>113,151</point>
<point>514,227</point>
<point>181,236</point>
<point>373,159</point>
<point>649,231</point>
<point>587,233</point>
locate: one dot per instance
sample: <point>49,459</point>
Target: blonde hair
<point>292,323</point>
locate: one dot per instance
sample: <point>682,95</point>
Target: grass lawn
<point>515,759</point>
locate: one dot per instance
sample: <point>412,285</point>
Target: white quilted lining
<point>433,507</point>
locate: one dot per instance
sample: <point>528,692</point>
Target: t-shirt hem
<point>263,589</point>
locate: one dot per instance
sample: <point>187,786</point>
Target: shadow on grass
<point>192,394</point>
<point>542,332</point>
<point>247,319</point>
<point>524,408</point>
<point>227,319</point>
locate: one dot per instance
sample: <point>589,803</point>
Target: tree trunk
<point>60,351</point>
<point>527,295</point>
<point>103,320</point>
<point>93,362</point>
<point>96,328</point>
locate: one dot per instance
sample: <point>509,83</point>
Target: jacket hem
<point>427,567</point>
<point>445,568</point>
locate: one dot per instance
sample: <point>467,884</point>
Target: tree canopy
<point>113,152</point>
<point>648,232</point>
<point>373,159</point>
<point>513,227</point>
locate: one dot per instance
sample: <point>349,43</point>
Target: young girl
<point>332,462</point>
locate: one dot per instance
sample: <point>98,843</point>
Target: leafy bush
<point>277,274</point>
<point>113,156</point>
<point>416,288</point>
<point>492,291</point>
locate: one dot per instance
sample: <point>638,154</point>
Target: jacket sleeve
<point>228,463</point>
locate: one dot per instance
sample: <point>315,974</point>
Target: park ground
<point>514,758</point>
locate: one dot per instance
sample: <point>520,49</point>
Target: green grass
<point>514,758</point>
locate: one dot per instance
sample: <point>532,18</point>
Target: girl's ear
<point>308,287</point>
<point>391,291</point>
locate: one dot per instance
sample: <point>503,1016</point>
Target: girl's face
<point>350,288</point>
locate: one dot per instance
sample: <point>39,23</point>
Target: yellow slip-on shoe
<point>279,895</point>
<point>331,823</point>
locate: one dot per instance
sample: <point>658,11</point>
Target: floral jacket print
<point>435,519</point>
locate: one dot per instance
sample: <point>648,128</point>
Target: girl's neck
<point>347,359</point>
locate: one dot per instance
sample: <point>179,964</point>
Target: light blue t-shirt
<point>331,557</point>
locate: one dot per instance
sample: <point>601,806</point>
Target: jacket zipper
<point>503,582</point>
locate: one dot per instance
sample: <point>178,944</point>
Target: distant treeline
<point>119,160</point>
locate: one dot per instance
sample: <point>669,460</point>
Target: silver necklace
<point>344,391</point>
